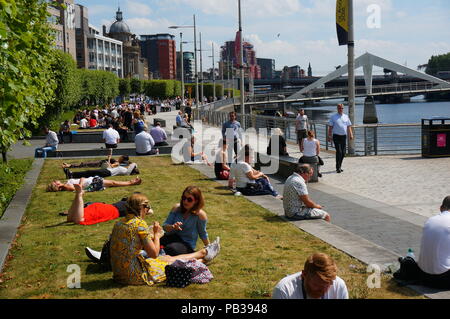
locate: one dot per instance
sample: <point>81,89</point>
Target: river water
<point>386,140</point>
<point>402,113</point>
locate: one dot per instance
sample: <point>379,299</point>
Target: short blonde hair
<point>321,265</point>
<point>134,203</point>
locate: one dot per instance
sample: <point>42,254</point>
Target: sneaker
<point>93,254</point>
<point>212,250</point>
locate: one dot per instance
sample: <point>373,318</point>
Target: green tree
<point>136,86</point>
<point>124,87</point>
<point>438,63</point>
<point>68,90</point>
<point>27,84</point>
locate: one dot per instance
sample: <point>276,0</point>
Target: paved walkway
<point>380,202</point>
<point>378,205</point>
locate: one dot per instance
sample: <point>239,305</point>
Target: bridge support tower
<point>370,111</point>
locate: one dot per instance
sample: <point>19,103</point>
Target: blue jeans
<point>43,151</point>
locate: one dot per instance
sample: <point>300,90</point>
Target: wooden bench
<point>286,167</point>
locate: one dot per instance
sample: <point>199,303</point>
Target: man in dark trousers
<point>339,127</point>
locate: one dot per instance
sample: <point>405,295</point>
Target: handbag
<point>321,163</point>
<point>201,274</point>
<point>178,277</point>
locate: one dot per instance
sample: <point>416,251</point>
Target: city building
<point>94,51</point>
<point>188,66</point>
<point>134,65</point>
<point>62,21</point>
<point>229,59</point>
<point>309,70</point>
<point>160,51</point>
<point>267,68</point>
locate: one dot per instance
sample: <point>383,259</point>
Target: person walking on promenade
<point>235,127</point>
<point>339,127</point>
<point>301,125</point>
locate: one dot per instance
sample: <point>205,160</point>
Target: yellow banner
<point>342,24</point>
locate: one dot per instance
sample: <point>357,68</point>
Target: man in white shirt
<point>144,143</point>
<point>249,181</point>
<point>296,202</point>
<point>111,137</point>
<point>433,267</point>
<point>318,280</point>
<point>301,126</point>
<point>339,127</point>
<point>84,123</point>
<point>51,144</point>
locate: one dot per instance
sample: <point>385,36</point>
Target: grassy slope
<point>258,248</point>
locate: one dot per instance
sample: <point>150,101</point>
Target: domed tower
<point>134,66</point>
<point>119,30</point>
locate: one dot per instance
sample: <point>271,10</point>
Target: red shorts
<point>99,213</point>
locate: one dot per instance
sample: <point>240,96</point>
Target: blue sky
<point>293,32</point>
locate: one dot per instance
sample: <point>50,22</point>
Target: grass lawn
<point>11,179</point>
<point>258,248</point>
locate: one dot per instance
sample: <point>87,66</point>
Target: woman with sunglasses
<point>135,247</point>
<point>185,223</point>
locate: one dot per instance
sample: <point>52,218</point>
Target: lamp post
<point>213,72</point>
<point>201,69</point>
<point>195,55</point>
<point>182,68</point>
<point>241,62</point>
<point>351,73</point>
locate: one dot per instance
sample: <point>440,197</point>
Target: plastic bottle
<point>411,254</point>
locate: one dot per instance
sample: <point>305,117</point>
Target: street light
<point>213,72</point>
<point>182,68</point>
<point>195,55</point>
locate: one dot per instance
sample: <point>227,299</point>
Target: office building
<point>62,21</point>
<point>160,51</point>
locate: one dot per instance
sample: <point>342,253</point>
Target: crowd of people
<point>137,253</point>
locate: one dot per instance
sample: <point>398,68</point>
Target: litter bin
<point>436,137</point>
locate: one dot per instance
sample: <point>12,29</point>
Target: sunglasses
<point>188,199</point>
<point>146,206</point>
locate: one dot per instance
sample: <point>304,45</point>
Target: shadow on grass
<point>274,219</point>
<point>97,285</point>
<point>94,268</point>
<point>65,223</point>
<point>396,287</point>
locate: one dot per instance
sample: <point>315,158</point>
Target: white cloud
<point>134,8</point>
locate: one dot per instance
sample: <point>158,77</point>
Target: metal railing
<point>372,139</point>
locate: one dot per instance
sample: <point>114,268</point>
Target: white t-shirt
<point>339,123</point>
<point>122,170</point>
<point>434,256</point>
<point>309,147</point>
<point>111,136</point>
<point>301,122</point>
<point>144,142</point>
<point>83,123</point>
<point>290,287</point>
<point>294,187</point>
<point>86,183</point>
<point>239,172</point>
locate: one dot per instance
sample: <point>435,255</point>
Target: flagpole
<point>351,73</point>
<point>241,62</point>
